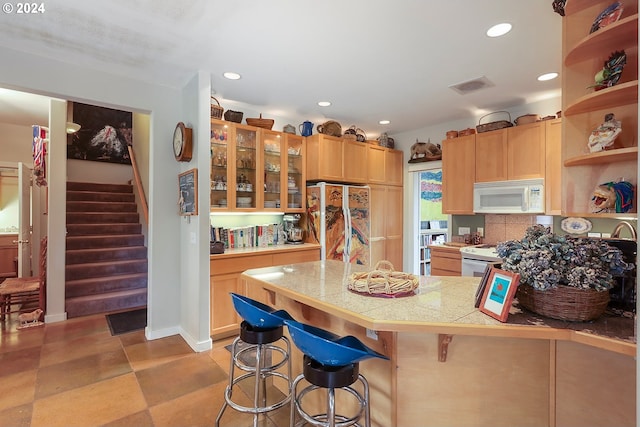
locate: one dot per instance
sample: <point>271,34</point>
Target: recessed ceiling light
<point>384,122</point>
<point>324,103</point>
<point>231,76</point>
<point>548,76</point>
<point>499,30</point>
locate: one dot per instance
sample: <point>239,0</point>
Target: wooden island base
<point>467,371</point>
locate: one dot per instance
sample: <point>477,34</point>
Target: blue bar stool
<point>330,363</point>
<point>260,332</point>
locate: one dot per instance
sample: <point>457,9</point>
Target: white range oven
<point>475,259</point>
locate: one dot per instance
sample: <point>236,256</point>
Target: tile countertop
<point>443,305</point>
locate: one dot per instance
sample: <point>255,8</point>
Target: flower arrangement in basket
<point>562,277</point>
<point>383,281</point>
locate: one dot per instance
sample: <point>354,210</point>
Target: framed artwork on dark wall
<point>104,134</point>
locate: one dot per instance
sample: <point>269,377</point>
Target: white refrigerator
<point>338,218</point>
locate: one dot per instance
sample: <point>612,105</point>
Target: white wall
<point>9,204</point>
<point>73,82</point>
<point>194,250</point>
<point>15,143</point>
<point>89,171</point>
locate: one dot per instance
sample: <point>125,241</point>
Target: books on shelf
<point>248,236</point>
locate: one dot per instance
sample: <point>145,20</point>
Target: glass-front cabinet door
<point>220,134</point>
<point>246,161</point>
<point>273,170</point>
<point>295,178</point>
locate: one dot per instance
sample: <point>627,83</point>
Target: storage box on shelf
<point>584,109</point>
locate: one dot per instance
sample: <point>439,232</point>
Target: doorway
<point>428,224</point>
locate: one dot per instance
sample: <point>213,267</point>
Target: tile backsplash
<point>498,228</point>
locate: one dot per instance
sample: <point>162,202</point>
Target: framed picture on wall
<point>188,192</point>
<point>499,292</point>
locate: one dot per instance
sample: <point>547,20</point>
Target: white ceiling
<point>373,59</point>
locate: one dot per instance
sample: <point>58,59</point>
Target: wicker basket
<point>564,302</point>
<point>467,132</point>
<point>383,281</point>
<point>500,124</point>
<point>233,116</point>
<point>216,110</point>
<point>331,128</point>
<point>260,123</point>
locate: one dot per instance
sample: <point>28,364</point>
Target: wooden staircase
<point>106,260</point>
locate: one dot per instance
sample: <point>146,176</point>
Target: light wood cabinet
<point>445,261</point>
<point>256,169</point>
<point>225,271</point>
<point>335,159</point>
<point>386,224</point>
<point>385,165</point>
<point>354,160</point>
<point>584,109</point>
<point>458,174</point>
<point>491,156</point>
<point>512,153</point>
<point>526,151</point>
<point>553,167</point>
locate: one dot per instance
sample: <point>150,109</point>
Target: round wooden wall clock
<point>182,143</point>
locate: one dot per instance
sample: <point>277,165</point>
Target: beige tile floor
<point>75,373</point>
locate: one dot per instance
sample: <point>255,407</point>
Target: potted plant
<point>563,277</point>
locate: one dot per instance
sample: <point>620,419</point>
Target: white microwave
<point>505,197</point>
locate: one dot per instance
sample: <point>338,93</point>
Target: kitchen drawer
<point>239,264</point>
<point>445,261</point>
<point>295,257</point>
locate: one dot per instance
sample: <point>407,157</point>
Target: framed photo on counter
<point>499,292</point>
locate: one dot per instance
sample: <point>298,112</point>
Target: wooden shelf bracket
<point>443,346</point>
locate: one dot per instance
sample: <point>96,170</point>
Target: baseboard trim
<point>53,318</point>
<point>197,346</point>
<point>161,333</point>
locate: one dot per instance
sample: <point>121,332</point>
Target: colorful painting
<point>431,196</point>
<point>104,134</point>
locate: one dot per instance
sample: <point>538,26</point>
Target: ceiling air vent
<point>469,86</point>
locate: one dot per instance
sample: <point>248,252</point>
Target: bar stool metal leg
<point>262,342</point>
<point>321,377</point>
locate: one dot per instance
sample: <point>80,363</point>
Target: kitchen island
<point>451,365</point>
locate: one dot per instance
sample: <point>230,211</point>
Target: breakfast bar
<point>452,365</point>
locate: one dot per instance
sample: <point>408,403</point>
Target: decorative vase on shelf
<point>563,277</point>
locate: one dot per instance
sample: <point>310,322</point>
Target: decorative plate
<point>575,225</point>
<point>608,16</point>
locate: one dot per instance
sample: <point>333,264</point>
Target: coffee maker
<point>292,230</point>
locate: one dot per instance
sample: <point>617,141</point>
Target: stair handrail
<point>138,184</point>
